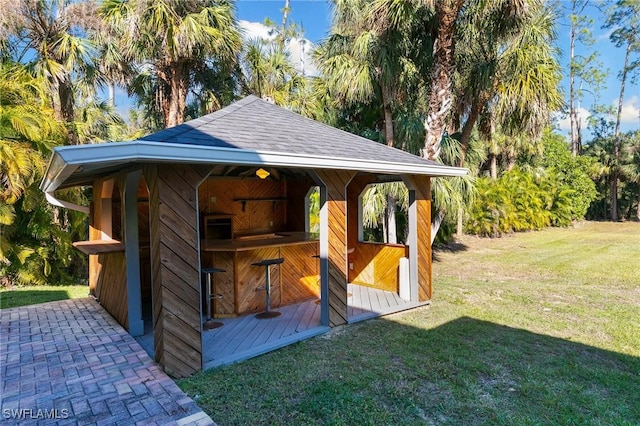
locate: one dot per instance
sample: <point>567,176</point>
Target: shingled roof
<point>255,124</point>
<point>251,132</point>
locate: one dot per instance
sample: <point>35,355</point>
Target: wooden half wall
<point>370,264</point>
<point>175,270</point>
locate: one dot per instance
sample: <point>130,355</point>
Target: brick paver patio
<point>69,362</point>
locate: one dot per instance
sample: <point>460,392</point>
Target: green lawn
<point>535,328</point>
<point>30,295</point>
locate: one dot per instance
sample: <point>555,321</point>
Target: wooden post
<point>175,267</point>
<point>419,236</point>
<point>132,251</point>
<point>333,245</point>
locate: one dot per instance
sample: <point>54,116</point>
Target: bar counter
<point>293,281</point>
<point>251,242</point>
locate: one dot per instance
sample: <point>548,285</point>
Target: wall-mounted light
<point>262,173</point>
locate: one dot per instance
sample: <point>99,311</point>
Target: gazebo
<point>229,190</point>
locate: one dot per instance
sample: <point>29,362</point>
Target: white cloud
<point>563,122</point>
<point>631,111</point>
<point>253,30</point>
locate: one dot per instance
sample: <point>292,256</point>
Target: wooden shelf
<point>99,246</point>
<point>244,201</point>
<point>260,199</point>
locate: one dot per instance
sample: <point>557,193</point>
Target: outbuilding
<point>227,196</point>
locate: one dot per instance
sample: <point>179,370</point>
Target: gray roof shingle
<point>257,125</point>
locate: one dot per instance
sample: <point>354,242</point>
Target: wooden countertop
<point>258,241</point>
<point>99,246</point>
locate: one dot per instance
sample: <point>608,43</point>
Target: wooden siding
<point>376,265</point>
<point>296,193</point>
<point>336,182</point>
<point>111,285</point>
<point>173,221</point>
<point>94,234</point>
<point>299,273</point>
<point>249,278</point>
<point>107,271</point>
<point>422,187</point>
<point>224,284</point>
<point>219,195</point>
<point>294,280</point>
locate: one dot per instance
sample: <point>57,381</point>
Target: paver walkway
<point>70,362</point>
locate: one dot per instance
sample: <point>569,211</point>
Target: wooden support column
<point>100,225</point>
<point>419,236</point>
<point>333,245</point>
<point>175,266</point>
<point>129,198</point>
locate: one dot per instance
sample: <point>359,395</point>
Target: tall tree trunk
<point>285,16</point>
<point>638,210</point>
<point>440,94</point>
<point>390,213</point>
<point>178,96</point>
<point>112,94</point>
<point>460,223</point>
<point>573,114</point>
<point>388,115</point>
<point>390,216</point>
<point>67,111</point>
<point>616,141</point>
<point>494,166</point>
<point>467,128</point>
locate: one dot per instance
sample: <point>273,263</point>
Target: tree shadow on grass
<point>450,247</point>
<point>465,371</point>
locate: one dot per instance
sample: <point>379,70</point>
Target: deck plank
<point>239,336</point>
<point>245,337</point>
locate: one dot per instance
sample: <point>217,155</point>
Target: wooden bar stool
<point>210,324</point>
<point>268,313</point>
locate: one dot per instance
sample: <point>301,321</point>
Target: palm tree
<point>268,72</point>
<point>49,36</point>
<point>366,64</point>
<point>27,130</point>
<point>35,239</point>
<point>367,61</point>
<point>508,75</point>
<point>173,40</point>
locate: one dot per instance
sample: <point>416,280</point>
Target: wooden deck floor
<point>246,337</point>
<point>366,303</point>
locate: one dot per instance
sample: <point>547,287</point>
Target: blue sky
<point>315,18</point>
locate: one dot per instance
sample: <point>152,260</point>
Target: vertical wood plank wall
<point>111,285</point>
<point>175,266</point>
<point>422,187</point>
<point>107,271</point>
<point>94,234</point>
<point>336,182</point>
<point>251,216</point>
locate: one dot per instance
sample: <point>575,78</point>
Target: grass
<point>30,295</point>
<point>535,328</point>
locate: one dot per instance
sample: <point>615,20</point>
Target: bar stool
<point>268,313</point>
<point>210,324</point>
